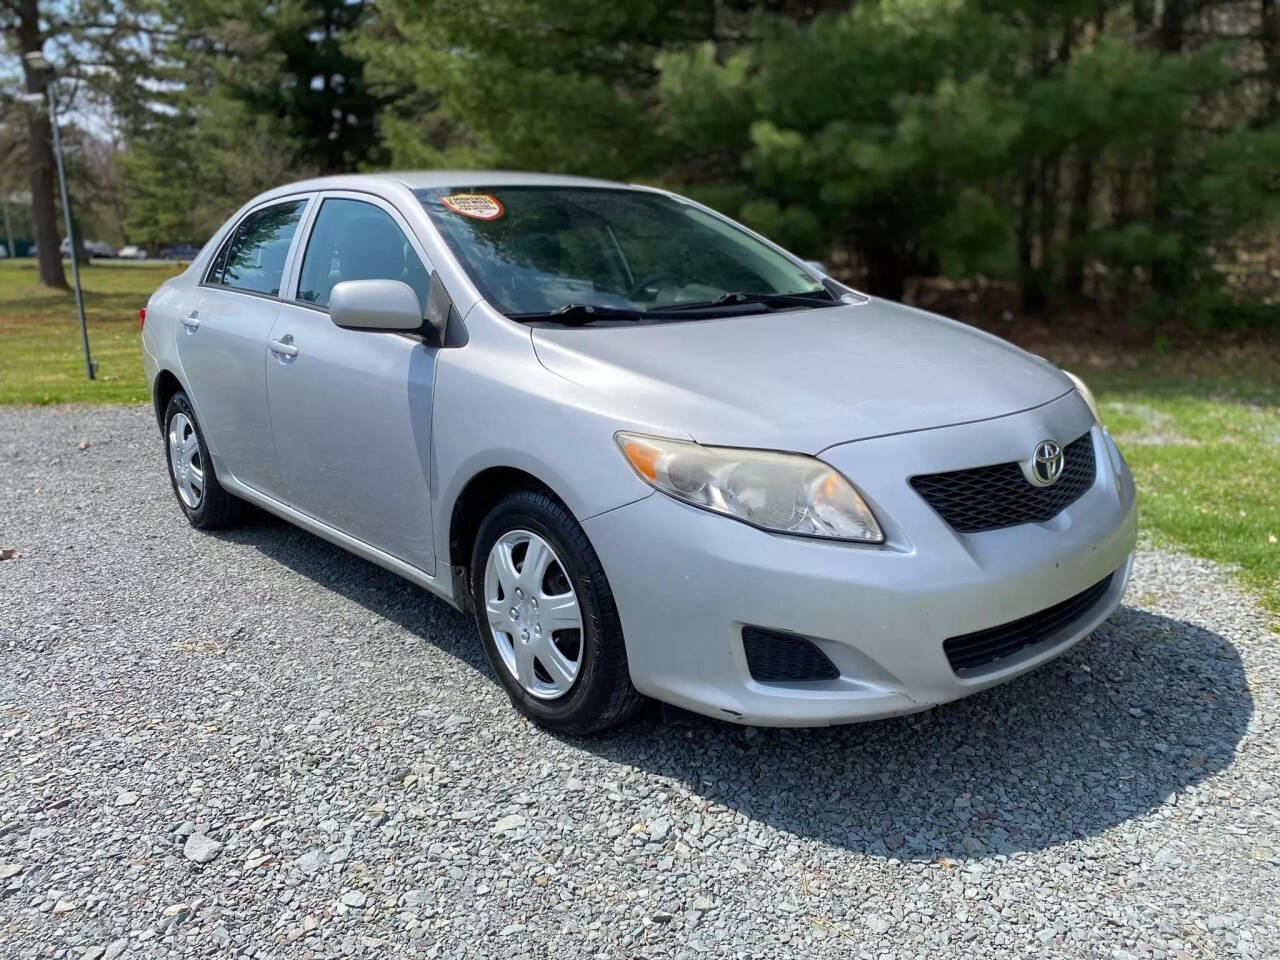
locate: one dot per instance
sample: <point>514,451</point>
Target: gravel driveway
<point>256,744</point>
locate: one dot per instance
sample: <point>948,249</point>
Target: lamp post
<point>37,63</point>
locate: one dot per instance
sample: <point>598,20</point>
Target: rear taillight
<point>142,318</point>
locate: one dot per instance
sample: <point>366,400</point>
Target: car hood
<point>802,380</point>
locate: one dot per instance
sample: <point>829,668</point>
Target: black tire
<point>216,508</point>
<point>601,695</point>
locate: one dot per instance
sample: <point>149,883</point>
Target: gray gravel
<point>255,744</point>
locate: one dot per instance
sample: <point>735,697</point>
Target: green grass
<point>40,355</point>
<point>1205,451</point>
<point>1200,428</point>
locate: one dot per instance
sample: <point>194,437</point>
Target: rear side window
<point>353,240</point>
<point>253,257</point>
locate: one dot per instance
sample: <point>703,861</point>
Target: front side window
<point>253,257</point>
<point>537,249</point>
<point>354,240</point>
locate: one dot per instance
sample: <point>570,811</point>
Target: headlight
<point>784,492</point>
<point>1087,394</point>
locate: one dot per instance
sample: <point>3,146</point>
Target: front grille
<point>988,498</point>
<point>984,647</point>
<point>774,657</point>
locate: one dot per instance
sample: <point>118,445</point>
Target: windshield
<point>534,250</point>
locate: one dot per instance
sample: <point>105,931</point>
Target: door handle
<point>192,320</point>
<point>284,348</point>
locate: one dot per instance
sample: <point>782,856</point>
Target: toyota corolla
<point>653,454</point>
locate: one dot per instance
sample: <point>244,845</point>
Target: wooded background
<point>1119,157</point>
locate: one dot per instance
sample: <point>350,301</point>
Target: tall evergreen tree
<point>289,62</point>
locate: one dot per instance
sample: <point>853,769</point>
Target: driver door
<point>351,409</point>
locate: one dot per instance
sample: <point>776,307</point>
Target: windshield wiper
<point>817,298</point>
<point>577,314</point>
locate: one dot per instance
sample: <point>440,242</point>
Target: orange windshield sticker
<point>477,206</point>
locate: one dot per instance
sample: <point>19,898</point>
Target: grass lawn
<point>1203,439</point>
<point>1201,429</point>
<point>40,355</point>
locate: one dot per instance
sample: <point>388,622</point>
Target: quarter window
<point>253,258</point>
<point>354,240</point>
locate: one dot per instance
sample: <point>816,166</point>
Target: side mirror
<point>817,266</point>
<point>375,305</point>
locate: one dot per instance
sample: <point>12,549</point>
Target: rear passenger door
<point>351,409</point>
<point>222,341</point>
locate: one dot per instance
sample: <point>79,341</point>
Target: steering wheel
<point>648,281</point>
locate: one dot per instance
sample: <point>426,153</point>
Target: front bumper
<point>686,581</point>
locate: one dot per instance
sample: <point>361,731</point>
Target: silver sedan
<point>654,454</point>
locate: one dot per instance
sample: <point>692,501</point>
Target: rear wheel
<point>547,618</point>
<point>206,504</point>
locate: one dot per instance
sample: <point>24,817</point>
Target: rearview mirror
<point>375,305</point>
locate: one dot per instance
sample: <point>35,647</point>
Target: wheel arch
<point>162,390</point>
<point>477,497</point>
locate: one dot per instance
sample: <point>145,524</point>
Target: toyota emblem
<point>1046,463</point>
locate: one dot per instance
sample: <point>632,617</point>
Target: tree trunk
<point>44,216</point>
<point>1173,25</point>
<point>1039,184</point>
<point>1078,224</point>
<point>886,273</point>
<point>1170,38</point>
<point>1081,201</point>
<point>1120,281</point>
<point>1270,35</point>
<point>1050,178</point>
<point>1142,15</point>
<point>1030,282</point>
<point>887,266</point>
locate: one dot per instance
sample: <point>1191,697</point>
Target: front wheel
<point>547,618</point>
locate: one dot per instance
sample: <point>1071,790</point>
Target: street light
<point>37,63</point>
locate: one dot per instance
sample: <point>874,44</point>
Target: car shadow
<point>360,581</point>
<point>1125,721</point>
<point>1138,712</point>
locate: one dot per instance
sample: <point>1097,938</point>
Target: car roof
<point>427,179</point>
<point>419,179</point>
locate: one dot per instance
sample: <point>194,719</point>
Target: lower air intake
<point>774,657</point>
<point>974,651</point>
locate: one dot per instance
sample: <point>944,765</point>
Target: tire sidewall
<point>519,513</point>
<point>179,403</point>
